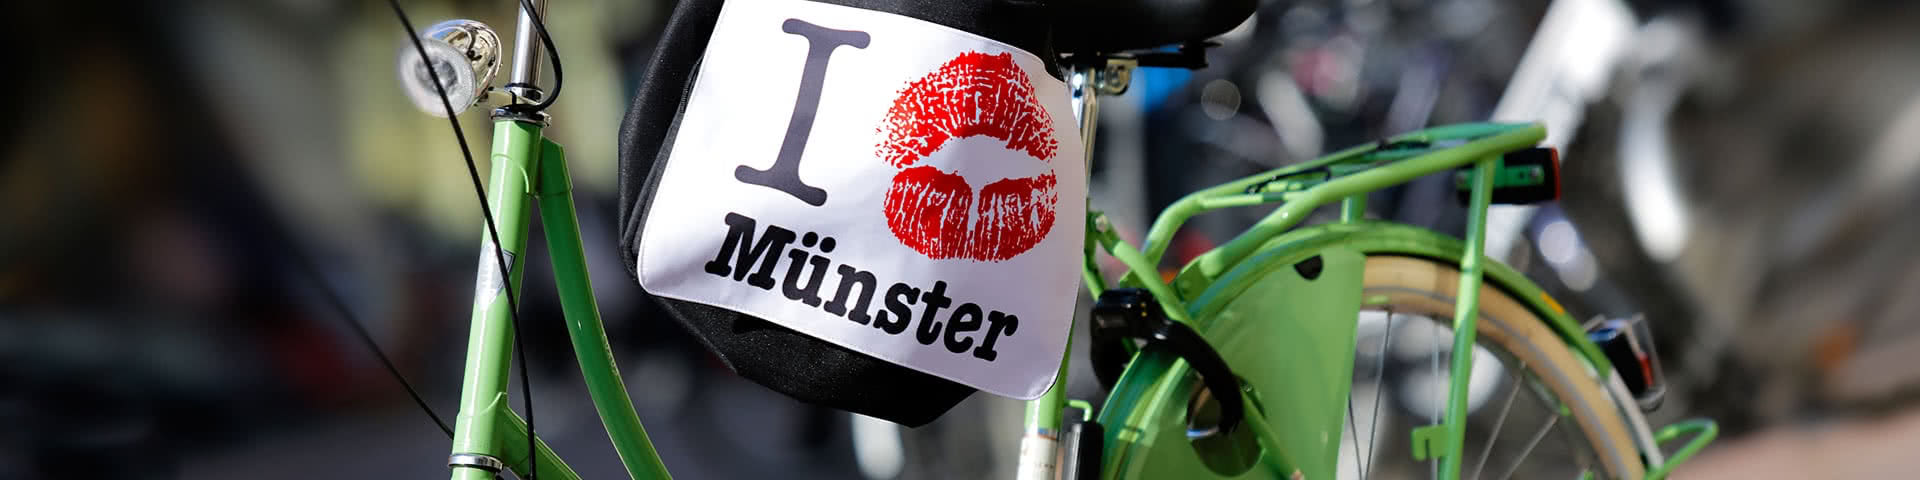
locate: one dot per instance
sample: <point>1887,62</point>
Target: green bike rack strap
<point>1703,432</point>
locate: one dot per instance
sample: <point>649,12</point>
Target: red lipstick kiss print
<point>933,211</point>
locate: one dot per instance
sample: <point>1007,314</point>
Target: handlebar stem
<point>526,52</point>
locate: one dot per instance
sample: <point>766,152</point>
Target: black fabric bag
<point>792,363</point>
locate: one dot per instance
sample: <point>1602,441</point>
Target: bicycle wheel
<point>1401,351</point>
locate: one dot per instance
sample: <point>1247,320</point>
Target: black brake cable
<point>553,56</point>
<point>305,264</point>
<point>486,213</point>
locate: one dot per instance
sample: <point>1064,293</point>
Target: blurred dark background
<point>1743,173</point>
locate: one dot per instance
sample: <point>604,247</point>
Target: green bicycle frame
<point>528,168</point>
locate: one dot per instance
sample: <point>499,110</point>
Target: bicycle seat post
<point>1086,81</point>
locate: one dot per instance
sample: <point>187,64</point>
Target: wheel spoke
<point>1580,456</point>
<point>1433,333</point>
<point>1379,384</point>
<point>1512,392</point>
<point>1355,428</point>
<point>1552,419</point>
<point>1517,458</point>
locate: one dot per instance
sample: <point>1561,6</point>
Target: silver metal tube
<point>1081,83</point>
<point>526,51</point>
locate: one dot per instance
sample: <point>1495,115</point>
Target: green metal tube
<point>1458,131</point>
<point>1486,139</point>
<point>1301,203</point>
<point>1466,311</point>
<point>490,339</point>
<point>513,431</point>
<point>589,336</point>
<point>1143,269</point>
<point>1703,432</point>
<point>1160,235</point>
<point>1240,200</point>
<point>1089,265</point>
<point>1353,209</point>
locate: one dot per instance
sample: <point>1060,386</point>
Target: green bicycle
<point>1255,360</point>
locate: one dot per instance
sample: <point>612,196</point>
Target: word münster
<point>742,252</point>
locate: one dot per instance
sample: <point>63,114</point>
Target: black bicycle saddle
<point>1087,26</point>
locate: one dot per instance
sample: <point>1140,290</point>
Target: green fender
<point>1300,370</point>
<point>1382,238</point>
